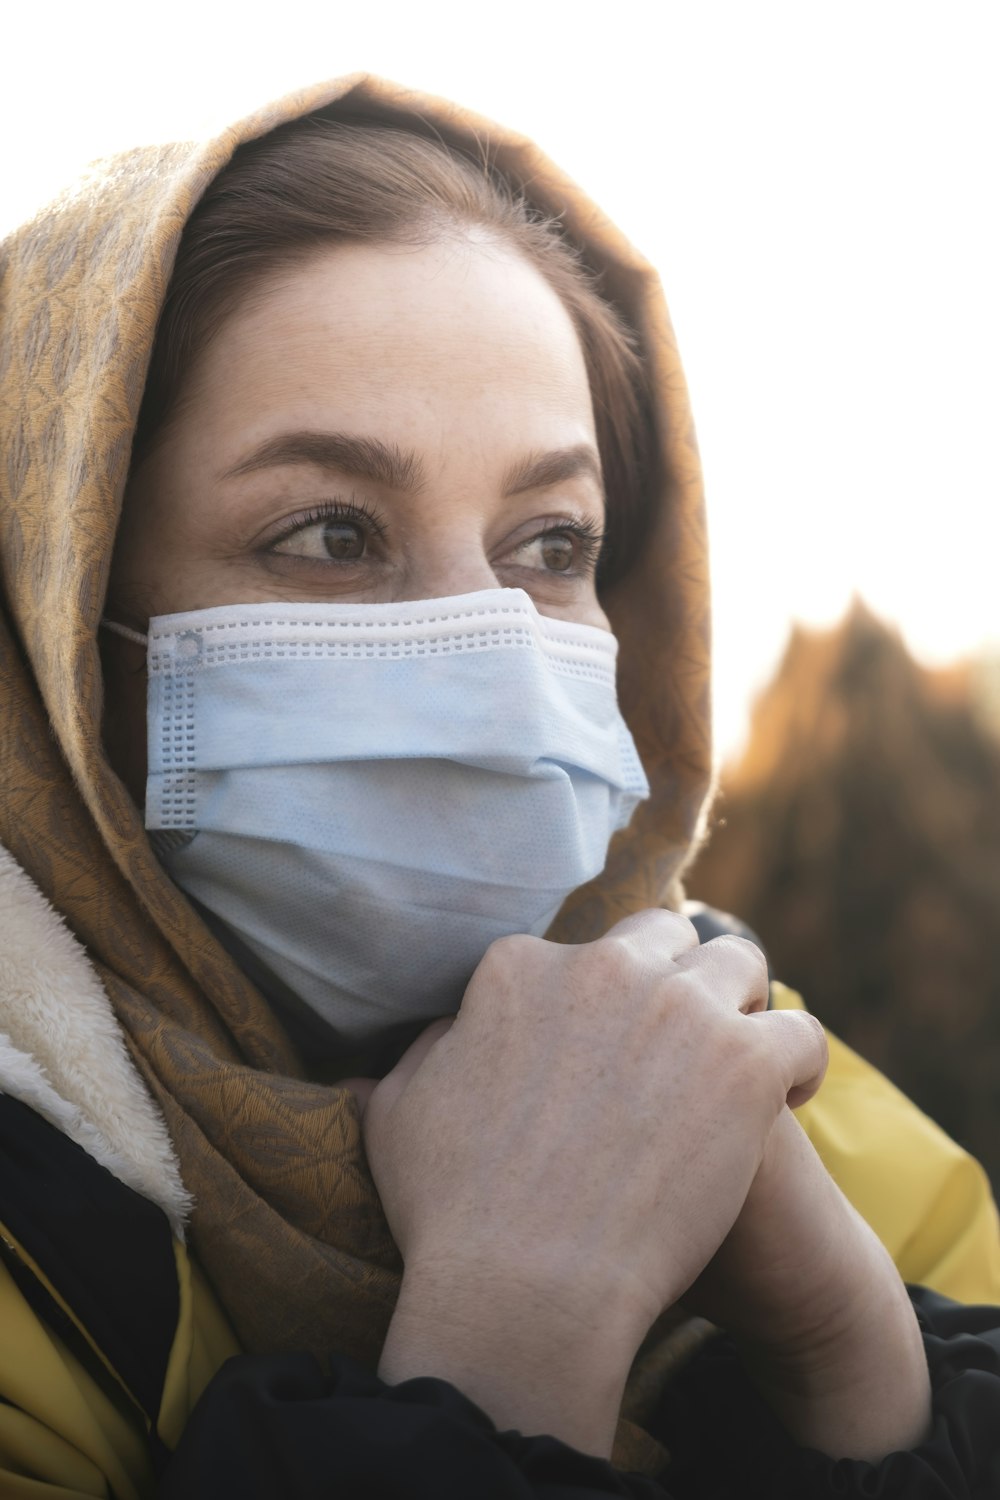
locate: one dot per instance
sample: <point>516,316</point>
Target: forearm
<point>861,1390</point>
<point>825,1324</point>
<point>523,1353</point>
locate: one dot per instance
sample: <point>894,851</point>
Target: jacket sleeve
<point>282,1426</point>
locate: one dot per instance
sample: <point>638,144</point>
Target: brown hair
<point>321,181</point>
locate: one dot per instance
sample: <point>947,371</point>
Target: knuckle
<point>674,926</point>
<point>742,948</point>
<point>734,967</point>
<point>511,949</point>
<point>734,954</point>
<point>508,964</point>
<point>652,936</point>
<point>684,987</point>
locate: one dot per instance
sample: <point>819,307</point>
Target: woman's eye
<point>558,553</point>
<point>563,550</point>
<point>343,541</point>
<point>327,538</point>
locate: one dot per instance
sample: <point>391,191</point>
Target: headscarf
<point>287,1222</point>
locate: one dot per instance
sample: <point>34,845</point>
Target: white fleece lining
<point>63,1054</point>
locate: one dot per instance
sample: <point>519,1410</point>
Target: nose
<point>460,566</point>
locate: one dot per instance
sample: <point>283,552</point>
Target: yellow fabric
<point>928,1201</point>
<point>62,1435</point>
<point>204,1342</point>
<point>60,1426</point>
<point>926,1198</point>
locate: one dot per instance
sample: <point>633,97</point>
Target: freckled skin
<point>458,352</point>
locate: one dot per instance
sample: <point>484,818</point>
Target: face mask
<point>365,796</point>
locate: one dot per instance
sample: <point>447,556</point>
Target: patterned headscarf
<point>287,1223</point>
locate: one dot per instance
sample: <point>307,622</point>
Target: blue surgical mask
<point>366,796</point>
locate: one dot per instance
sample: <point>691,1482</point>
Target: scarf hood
<point>286,1222</point>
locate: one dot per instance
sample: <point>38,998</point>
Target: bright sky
<point>816,180</point>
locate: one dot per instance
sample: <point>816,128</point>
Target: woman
<point>395,482</point>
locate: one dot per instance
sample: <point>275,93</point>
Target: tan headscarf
<point>287,1223</point>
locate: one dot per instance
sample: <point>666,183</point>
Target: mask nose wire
<point>126,632</point>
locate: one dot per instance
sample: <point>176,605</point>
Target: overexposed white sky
<point>818,183</point>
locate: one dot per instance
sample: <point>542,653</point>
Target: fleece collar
<point>63,1053</point>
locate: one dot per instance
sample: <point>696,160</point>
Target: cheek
<point>162,517</point>
<point>594,615</point>
<point>155,554</point>
<point>133,584</point>
<point>124,726</point>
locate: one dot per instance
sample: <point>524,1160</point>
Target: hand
<point>603,1107</point>
<point>561,1162</point>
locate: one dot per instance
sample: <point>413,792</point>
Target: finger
<point>734,969</point>
<point>394,1082</point>
<point>797,1042</point>
<point>656,934</point>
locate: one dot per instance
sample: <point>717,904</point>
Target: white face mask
<point>365,796</point>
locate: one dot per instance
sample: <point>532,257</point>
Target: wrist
<point>520,1343</point>
<point>818,1311</point>
<point>853,1382</point>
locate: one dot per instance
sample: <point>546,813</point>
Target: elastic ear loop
<point>124,630</point>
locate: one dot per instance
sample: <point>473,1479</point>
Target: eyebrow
<point>388,465</point>
<point>368,458</point>
<point>541,470</point>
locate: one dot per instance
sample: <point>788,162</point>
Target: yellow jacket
<point>70,1425</point>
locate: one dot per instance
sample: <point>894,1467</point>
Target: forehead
<point>454,329</point>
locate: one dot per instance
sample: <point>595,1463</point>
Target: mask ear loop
<point>126,632</point>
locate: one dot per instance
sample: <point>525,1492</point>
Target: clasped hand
<point>591,1138</point>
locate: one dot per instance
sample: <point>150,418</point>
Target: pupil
<point>557,553</point>
<point>343,540</point>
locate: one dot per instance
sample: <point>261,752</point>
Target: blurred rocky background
<point>859,835</point>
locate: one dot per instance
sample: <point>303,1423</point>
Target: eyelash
<point>334,510</point>
<point>589,536</point>
<point>587,532</point>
